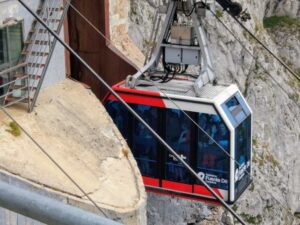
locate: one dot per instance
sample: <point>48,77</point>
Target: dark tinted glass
<point>242,154</point>
<point>212,161</point>
<point>178,136</point>
<point>11,43</point>
<point>120,117</point>
<point>139,139</point>
<point>232,103</point>
<point>15,41</point>
<point>3,46</point>
<point>235,111</point>
<point>144,145</point>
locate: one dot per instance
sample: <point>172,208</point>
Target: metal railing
<point>52,42</point>
<point>9,77</point>
<point>21,80</point>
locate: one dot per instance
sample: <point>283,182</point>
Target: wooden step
<point>40,30</point>
<point>51,20</point>
<point>34,77</point>
<point>52,9</point>
<point>12,99</point>
<point>17,87</point>
<point>38,65</point>
<point>19,74</point>
<point>38,42</point>
<point>35,53</point>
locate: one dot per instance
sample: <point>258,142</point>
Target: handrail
<point>59,27</point>
<point>13,81</point>
<point>13,68</point>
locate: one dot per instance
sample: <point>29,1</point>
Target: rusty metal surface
<point>93,48</point>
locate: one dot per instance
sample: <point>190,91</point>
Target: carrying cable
<point>154,84</point>
<point>257,40</point>
<point>200,128</point>
<point>137,117</point>
<point>53,160</point>
<point>267,49</point>
<point>252,55</point>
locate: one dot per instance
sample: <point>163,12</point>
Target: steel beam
<point>45,209</point>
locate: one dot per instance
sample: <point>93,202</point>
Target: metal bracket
<point>181,52</point>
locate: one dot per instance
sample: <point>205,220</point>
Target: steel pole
<point>45,209</point>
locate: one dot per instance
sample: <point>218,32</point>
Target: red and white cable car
<point>215,137</point>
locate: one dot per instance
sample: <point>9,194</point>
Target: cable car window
<point>178,136</point>
<point>144,145</point>
<point>232,104</point>
<point>212,161</point>
<point>234,111</point>
<point>243,104</point>
<point>243,155</point>
<point>120,117</point>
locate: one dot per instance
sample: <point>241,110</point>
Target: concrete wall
<point>56,73</point>
<point>12,8</point>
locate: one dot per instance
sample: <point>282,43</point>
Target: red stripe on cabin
<point>151,181</point>
<point>135,96</point>
<point>201,190</point>
<point>134,91</point>
<point>193,198</point>
<point>177,186</point>
<point>140,99</point>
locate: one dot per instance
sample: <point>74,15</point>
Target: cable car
<point>215,137</point>
<point>221,112</point>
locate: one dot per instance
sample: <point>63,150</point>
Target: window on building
<point>11,44</point>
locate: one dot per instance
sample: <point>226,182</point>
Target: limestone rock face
<point>272,93</point>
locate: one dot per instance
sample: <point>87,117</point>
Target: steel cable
<point>137,116</point>
<point>44,151</point>
<point>194,122</point>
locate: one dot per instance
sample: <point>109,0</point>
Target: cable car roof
<point>183,88</point>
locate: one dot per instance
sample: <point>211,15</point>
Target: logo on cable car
<point>241,171</point>
<point>212,179</point>
<point>174,159</point>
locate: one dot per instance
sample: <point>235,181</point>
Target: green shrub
<point>294,97</point>
<point>14,129</point>
<point>275,21</point>
<point>252,219</point>
<point>219,13</point>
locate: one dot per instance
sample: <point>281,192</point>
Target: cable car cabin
<point>224,119</point>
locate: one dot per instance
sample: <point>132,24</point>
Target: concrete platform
<point>74,128</point>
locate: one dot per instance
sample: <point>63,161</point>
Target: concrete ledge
<point>72,125</point>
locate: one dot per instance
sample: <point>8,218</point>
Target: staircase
<point>28,75</point>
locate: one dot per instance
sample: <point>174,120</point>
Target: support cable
<point>154,84</point>
<point>257,40</point>
<point>252,55</point>
<point>53,160</point>
<point>137,117</point>
<point>194,122</point>
<point>267,49</point>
